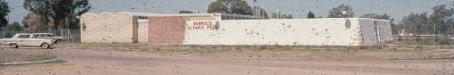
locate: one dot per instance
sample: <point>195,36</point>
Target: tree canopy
<point>310,15</point>
<point>441,21</point>
<point>231,7</point>
<point>341,11</point>
<point>217,7</point>
<point>15,26</point>
<point>417,23</point>
<point>376,16</point>
<point>59,14</point>
<point>34,22</point>
<point>4,10</point>
<point>441,17</point>
<point>241,7</point>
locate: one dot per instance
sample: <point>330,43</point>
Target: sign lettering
<point>202,25</point>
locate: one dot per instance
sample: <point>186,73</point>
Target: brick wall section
<point>167,30</point>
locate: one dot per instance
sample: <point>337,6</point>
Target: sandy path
<point>89,62</point>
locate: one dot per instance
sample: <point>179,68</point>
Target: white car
<point>27,40</point>
<point>57,39</point>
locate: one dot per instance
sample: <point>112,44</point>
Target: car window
<point>42,35</point>
<point>24,36</point>
<point>48,35</point>
<point>36,36</point>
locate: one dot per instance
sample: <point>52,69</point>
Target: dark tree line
<point>54,14</point>
<point>341,11</point>
<point>4,10</point>
<point>310,15</point>
<point>236,7</point>
<point>441,21</point>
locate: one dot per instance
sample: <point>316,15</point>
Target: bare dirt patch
<point>161,60</point>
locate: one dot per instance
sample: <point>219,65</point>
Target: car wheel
<point>13,45</point>
<point>45,46</point>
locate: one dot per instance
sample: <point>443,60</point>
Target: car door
<point>34,41</point>
<point>22,39</point>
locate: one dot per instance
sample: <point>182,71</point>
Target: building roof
<point>185,14</point>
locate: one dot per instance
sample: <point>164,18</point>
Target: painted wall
<point>128,27</point>
<point>210,30</point>
<point>143,30</point>
<point>106,28</point>
<point>169,30</point>
<point>327,31</point>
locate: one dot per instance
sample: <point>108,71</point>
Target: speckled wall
<point>118,28</point>
<point>326,31</point>
<point>107,28</point>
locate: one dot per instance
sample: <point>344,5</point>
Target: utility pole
<point>434,34</point>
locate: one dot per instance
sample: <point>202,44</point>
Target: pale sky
<point>298,8</point>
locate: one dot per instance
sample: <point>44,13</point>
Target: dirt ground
<point>79,61</point>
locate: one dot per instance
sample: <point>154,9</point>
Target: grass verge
<point>23,57</point>
<point>293,52</point>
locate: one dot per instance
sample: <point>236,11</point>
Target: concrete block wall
<point>375,31</point>
<point>107,28</point>
<point>326,31</point>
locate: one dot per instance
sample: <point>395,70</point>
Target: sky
<point>298,8</point>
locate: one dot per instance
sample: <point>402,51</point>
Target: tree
<point>12,29</point>
<point>341,11</point>
<point>241,8</point>
<point>39,14</point>
<point>439,22</point>
<point>231,7</point>
<point>417,23</point>
<point>376,16</point>
<point>229,2</point>
<point>439,18</point>
<point>4,10</point>
<point>59,14</point>
<point>217,7</point>
<point>15,26</point>
<point>289,16</point>
<point>34,22</point>
<point>310,15</point>
<point>450,23</point>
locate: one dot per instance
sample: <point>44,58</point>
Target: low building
<point>225,29</point>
